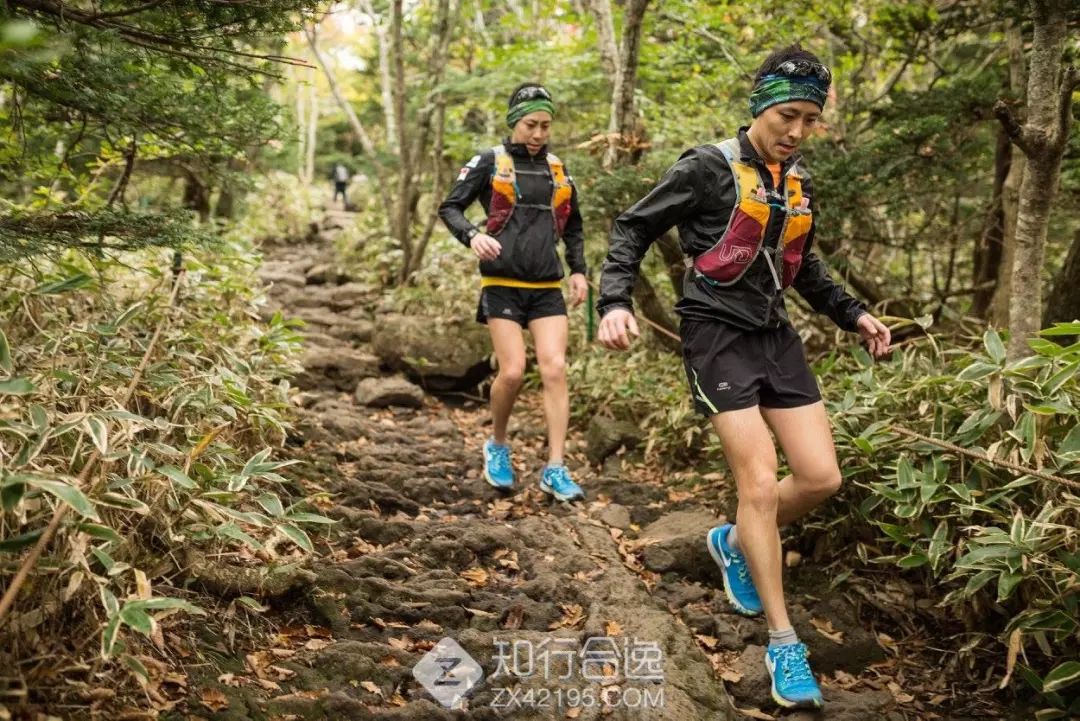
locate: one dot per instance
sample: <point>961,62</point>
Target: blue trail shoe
<point>497,469</point>
<point>793,684</point>
<point>555,480</point>
<point>738,585</point>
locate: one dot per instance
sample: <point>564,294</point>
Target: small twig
<point>985,458</point>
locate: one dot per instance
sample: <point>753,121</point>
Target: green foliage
<point>188,462</point>
<point>998,548</point>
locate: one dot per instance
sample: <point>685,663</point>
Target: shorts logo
<point>508,312</point>
<point>723,386</point>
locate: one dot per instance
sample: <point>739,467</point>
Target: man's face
<point>780,129</point>
<point>533,131</point>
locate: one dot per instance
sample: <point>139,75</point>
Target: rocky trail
<point>609,608</point>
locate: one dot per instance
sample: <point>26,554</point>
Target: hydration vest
<point>727,261</point>
<point>505,194</point>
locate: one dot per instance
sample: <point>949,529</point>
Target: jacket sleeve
<point>466,189</point>
<point>574,236</point>
<point>674,198</point>
<point>816,285</point>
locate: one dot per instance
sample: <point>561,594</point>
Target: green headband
<point>776,89</point>
<point>519,111</point>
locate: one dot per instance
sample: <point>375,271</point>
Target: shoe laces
<point>499,457</point>
<point>559,479</point>
<point>741,569</point>
<point>793,662</point>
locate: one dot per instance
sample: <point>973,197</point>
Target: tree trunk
<point>1010,198</point>
<point>621,130</point>
<point>1063,306</point>
<point>402,219</point>
<point>605,34</point>
<point>301,134</point>
<point>1043,140</point>
<point>385,83</point>
<point>986,261</point>
<point>651,307</point>
<point>312,131</point>
<point>670,250</point>
<point>196,196</point>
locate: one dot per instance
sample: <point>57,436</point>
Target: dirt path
<point>424,550</point>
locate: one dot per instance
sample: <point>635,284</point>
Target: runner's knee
<point>761,492</point>
<point>511,374</point>
<point>823,483</point>
<point>553,368</point>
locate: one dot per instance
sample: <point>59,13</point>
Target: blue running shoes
<point>738,585</point>
<point>497,469</point>
<point>793,684</point>
<point>556,481</point>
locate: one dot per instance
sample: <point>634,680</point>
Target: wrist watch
<point>471,233</point>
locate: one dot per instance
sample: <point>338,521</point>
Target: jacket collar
<point>750,154</point>
<point>519,150</point>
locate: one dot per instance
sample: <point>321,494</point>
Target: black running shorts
<point>520,305</point>
<point>730,369</point>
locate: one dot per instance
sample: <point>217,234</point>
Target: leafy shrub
<point>185,465</point>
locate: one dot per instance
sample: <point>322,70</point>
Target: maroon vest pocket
<point>726,261</point>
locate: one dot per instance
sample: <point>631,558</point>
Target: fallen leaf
<point>1010,660</point>
<point>755,713</point>
<point>317,644</point>
<point>476,577</point>
<point>792,559</point>
<point>573,712</point>
<point>229,679</point>
<point>214,699</point>
<point>825,628</point>
<point>371,688</point>
<point>612,628</point>
<point>731,676</point>
<point>708,642</point>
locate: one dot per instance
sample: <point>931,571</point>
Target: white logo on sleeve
<point>723,386</point>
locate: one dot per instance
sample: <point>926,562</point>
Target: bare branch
<point>1069,82</point>
<point>1018,134</point>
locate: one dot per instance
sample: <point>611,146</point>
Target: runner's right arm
<point>473,179</point>
<point>674,198</point>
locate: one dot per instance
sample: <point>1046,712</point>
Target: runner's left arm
<point>816,285</point>
<point>574,235</point>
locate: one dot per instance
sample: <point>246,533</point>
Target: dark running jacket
<point>697,195</point>
<point>529,238</point>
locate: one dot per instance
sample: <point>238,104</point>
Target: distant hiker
<point>341,183</point>
<point>531,202</point>
<point>745,210</point>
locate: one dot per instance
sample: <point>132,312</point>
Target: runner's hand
<point>485,247</point>
<point>616,327</point>
<point>876,335</point>
<point>579,288</point>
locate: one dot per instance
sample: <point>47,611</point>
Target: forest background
<point>142,137</point>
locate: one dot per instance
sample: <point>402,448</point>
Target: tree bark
<point>621,126</point>
<point>986,260</point>
<point>385,83</point>
<point>312,131</point>
<point>650,305</point>
<point>1010,198</point>
<point>1042,139</point>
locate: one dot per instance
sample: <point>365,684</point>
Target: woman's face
<point>781,128</point>
<point>533,131</point>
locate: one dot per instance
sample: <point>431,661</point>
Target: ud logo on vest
<point>448,673</point>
